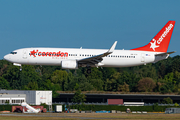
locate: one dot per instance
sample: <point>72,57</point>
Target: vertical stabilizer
<point>161,41</point>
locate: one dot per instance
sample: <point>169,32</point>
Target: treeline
<point>163,77</point>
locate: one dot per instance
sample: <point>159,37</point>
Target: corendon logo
<point>42,97</point>
<point>153,45</point>
<point>50,54</point>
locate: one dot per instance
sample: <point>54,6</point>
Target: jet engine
<point>69,64</point>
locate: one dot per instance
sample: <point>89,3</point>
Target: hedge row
<point>6,107</point>
<point>153,108</point>
<point>9,107</point>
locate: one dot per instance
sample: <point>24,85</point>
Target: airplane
<point>70,58</point>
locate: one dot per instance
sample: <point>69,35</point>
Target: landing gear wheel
<point>89,70</point>
<point>20,68</point>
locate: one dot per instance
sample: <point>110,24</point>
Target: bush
<point>176,105</point>
<point>167,100</point>
<point>6,107</point>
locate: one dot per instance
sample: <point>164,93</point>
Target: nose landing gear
<point>20,68</point>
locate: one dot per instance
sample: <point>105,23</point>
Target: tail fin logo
<point>153,45</point>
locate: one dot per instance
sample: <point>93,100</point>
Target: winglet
<point>112,47</point>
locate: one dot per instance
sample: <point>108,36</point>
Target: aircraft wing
<point>98,58</point>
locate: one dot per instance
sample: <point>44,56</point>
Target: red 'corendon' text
<point>50,54</point>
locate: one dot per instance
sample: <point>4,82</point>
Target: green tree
<point>169,77</point>
<point>60,77</point>
<point>85,86</point>
<point>78,96</point>
<point>111,85</point>
<point>13,77</point>
<point>177,77</point>
<point>97,84</point>
<point>95,74</point>
<point>54,87</point>
<point>29,76</point>
<point>4,84</point>
<point>176,104</point>
<point>68,82</point>
<point>166,88</point>
<point>146,85</point>
<point>144,71</point>
<point>130,79</point>
<point>123,88</point>
<point>176,64</point>
<point>32,86</point>
<point>167,100</point>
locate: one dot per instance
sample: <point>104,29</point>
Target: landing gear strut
<point>89,70</point>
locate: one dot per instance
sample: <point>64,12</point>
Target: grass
<point>94,116</point>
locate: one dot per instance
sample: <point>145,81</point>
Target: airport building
<point>36,97</point>
<point>12,98</point>
<point>32,97</point>
<point>103,98</point>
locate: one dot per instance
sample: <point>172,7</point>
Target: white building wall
<point>12,98</point>
<point>33,97</point>
<point>43,97</point>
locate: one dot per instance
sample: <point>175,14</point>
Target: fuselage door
<point>143,57</point>
<point>25,54</point>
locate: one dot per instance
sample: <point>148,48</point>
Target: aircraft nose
<point>6,57</point>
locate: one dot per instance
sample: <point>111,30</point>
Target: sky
<point>85,23</point>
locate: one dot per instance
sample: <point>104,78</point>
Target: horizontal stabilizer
<point>165,53</point>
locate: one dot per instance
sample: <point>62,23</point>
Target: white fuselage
<point>55,56</point>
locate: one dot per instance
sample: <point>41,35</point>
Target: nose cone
<point>6,57</point>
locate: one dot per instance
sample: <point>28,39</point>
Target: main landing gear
<point>88,70</point>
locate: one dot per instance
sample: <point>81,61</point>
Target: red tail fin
<point>161,41</point>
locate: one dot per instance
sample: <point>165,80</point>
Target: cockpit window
<point>13,53</point>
